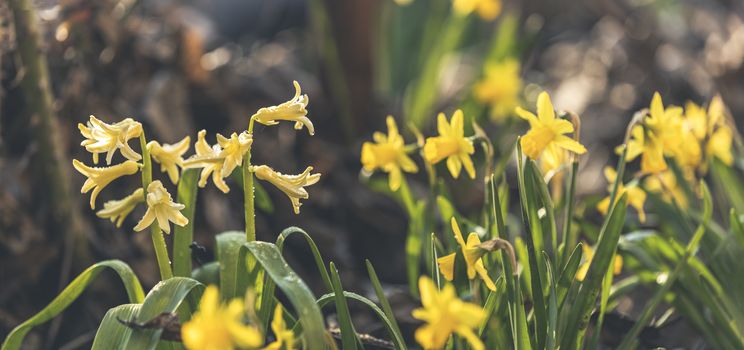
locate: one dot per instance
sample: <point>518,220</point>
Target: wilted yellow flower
<point>160,206</point>
<point>546,130</point>
<point>666,184</point>
<point>117,210</point>
<point>292,110</point>
<point>170,157</point>
<point>500,88</point>
<point>210,159</point>
<point>292,185</point>
<point>216,326</point>
<point>233,150</point>
<point>285,338</point>
<point>487,9</point>
<point>452,145</point>
<point>107,138</point>
<point>389,154</point>
<point>472,254</point>
<point>98,178</point>
<point>445,314</point>
<point>636,196</point>
<point>648,147</point>
<point>589,255</point>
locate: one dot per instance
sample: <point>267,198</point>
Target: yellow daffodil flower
<point>452,145</point>
<point>486,9</point>
<point>665,124</point>
<point>285,338</point>
<point>292,110</point>
<point>107,138</point>
<point>546,130</point>
<point>696,120</point>
<point>117,210</point>
<point>650,150</point>
<point>292,185</point>
<point>99,178</point>
<point>500,88</point>
<point>160,206</point>
<point>389,154</point>
<point>666,184</point>
<point>660,135</point>
<point>216,326</point>
<point>720,144</point>
<point>445,314</point>
<point>636,196</point>
<point>210,159</point>
<point>170,157</point>
<point>233,150</point>
<point>588,255</point>
<point>552,159</point>
<point>472,254</point>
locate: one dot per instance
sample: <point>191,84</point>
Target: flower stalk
<point>249,192</point>
<point>158,241</point>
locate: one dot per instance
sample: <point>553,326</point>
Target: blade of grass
<point>112,334</point>
<point>384,303</point>
<point>349,339</point>
<point>184,235</point>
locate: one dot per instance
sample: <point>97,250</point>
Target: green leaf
<point>609,236</point>
<point>232,267</point>
<point>166,297</point>
<point>728,180</point>
<point>183,236</point>
<point>70,294</point>
<point>348,333</point>
<point>263,201</point>
<point>393,324</point>
<point>111,333</point>
<point>389,323</point>
<point>207,274</point>
<point>414,246</point>
<point>269,257</point>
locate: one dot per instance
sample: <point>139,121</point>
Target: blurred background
<point>182,66</point>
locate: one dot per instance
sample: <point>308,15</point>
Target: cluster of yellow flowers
<point>390,154</point>
<point>218,161</point>
<point>222,326</point>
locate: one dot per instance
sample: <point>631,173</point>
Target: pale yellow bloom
<point>648,147</point>
<point>292,110</point>
<point>720,144</point>
<point>500,88</point>
<point>292,185</point>
<point>665,183</point>
<point>589,255</point>
<point>170,157</point>
<point>210,159</point>
<point>665,124</point>
<point>546,130</point>
<point>696,120</point>
<point>389,154</point>
<point>107,138</point>
<point>553,158</point>
<point>117,210</point>
<point>160,206</point>
<point>285,338</point>
<point>445,314</point>
<point>98,178</point>
<point>636,196</point>
<point>216,326</point>
<point>486,9</point>
<point>452,145</point>
<point>233,150</point>
<point>472,254</point>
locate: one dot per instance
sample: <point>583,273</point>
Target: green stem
<point>249,194</point>
<point>570,239</point>
<point>406,196</point>
<point>158,241</point>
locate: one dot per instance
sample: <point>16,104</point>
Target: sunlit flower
<point>98,178</point>
<point>403,2</point>
<point>452,145</point>
<point>285,338</point>
<point>292,185</point>
<point>117,210</point>
<point>720,144</point>
<point>553,158</point>
<point>500,88</point>
<point>665,184</point>
<point>472,254</point>
<point>650,150</point>
<point>696,120</point>
<point>636,196</point>
<point>589,255</point>
<point>216,326</point>
<point>292,110</point>
<point>546,130</point>
<point>486,9</point>
<point>445,314</point>
<point>107,138</point>
<point>233,150</point>
<point>160,206</point>
<point>210,159</point>
<point>389,154</point>
<point>665,124</point>
<point>170,157</point>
